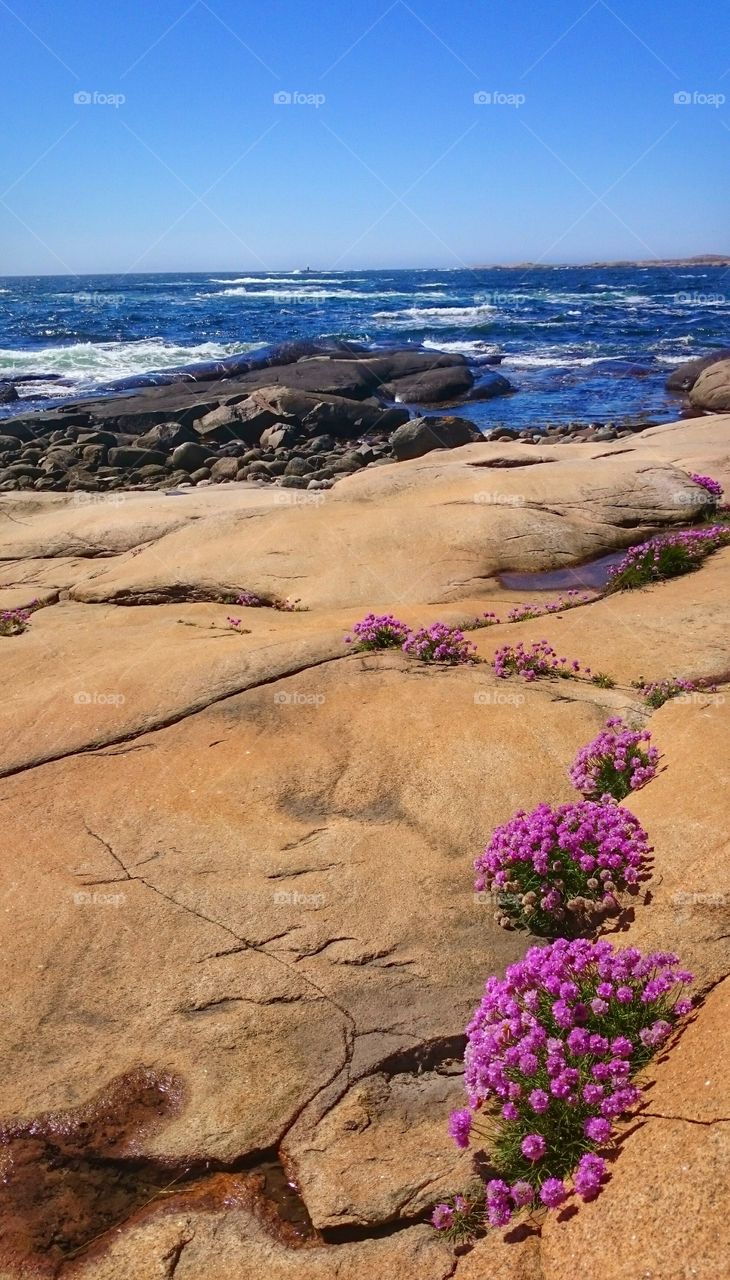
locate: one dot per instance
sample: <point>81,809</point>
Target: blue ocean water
<point>579,343</point>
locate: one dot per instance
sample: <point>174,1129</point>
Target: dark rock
<point>491,385</point>
<point>99,437</point>
<point>131,456</point>
<point>252,455</point>
<point>243,420</point>
<point>685,375</point>
<point>8,443</point>
<point>224,469</point>
<point>421,435</point>
<point>321,444</point>
<point>200,474</point>
<point>432,386</point>
<point>19,430</point>
<point>165,437</point>
<point>504,433</point>
<point>189,456</point>
<point>293,482</point>
<point>296,467</point>
<point>275,437</point>
<point>17,469</point>
<point>8,393</point>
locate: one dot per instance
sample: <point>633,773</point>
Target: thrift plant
<point>551,1051</point>
<point>539,660</point>
<point>615,763</point>
<point>713,487</point>
<point>13,622</point>
<point>569,600</point>
<point>666,556</point>
<point>440,643</point>
<point>567,864</point>
<point>378,632</point>
<point>603,680</point>
<point>660,691</point>
<point>251,601</point>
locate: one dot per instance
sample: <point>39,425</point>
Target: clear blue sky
<point>397,167</point>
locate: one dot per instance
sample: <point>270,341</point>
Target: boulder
<point>684,377</point>
<point>432,386</point>
<point>189,456</point>
<point>133,456</point>
<point>164,437</point>
<point>224,469</point>
<point>16,428</point>
<point>8,393</point>
<point>242,421</point>
<point>711,391</point>
<point>490,385</point>
<point>421,435</point>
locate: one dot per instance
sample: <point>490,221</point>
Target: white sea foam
<point>302,294</point>
<point>86,364</point>
<point>447,317</point>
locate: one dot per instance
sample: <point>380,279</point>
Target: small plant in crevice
<point>657,692</point>
<point>615,763</point>
<point>378,631</point>
<point>440,643</point>
<point>668,555</point>
<point>251,601</point>
<point>539,660</point>
<point>483,620</point>
<point>569,600</point>
<point>13,622</point>
<point>559,870</point>
<point>603,680</point>
<point>551,1053</point>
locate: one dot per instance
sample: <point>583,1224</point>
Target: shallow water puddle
<point>591,576</point>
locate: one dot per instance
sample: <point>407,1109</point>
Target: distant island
<point>700,260</point>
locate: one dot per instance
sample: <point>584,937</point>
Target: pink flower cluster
<point>549,864</point>
<point>539,660</point>
<point>378,631</point>
<point>440,643</point>
<point>551,1051</point>
<point>615,763</point>
<point>713,487</point>
<point>13,622</point>
<point>666,556</point>
<point>569,600</point>
<point>251,601</point>
<point>660,691</point>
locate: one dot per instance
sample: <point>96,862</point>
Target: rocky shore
<point>299,417</point>
<point>242,938</point>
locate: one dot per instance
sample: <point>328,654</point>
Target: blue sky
<point>388,160</point>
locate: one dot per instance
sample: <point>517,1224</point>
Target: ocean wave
<point>448,317</point>
<point>274,280</point>
<point>302,294</point>
<point>475,347</point>
<point>88,364</point>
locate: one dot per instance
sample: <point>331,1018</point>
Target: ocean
<point>586,344</point>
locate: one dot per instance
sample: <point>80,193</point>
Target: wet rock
<point>684,377</point>
<point>8,393</point>
<point>432,386</point>
<point>421,435</point>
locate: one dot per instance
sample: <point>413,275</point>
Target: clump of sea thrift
<point>660,691</point>
<point>251,601</point>
<point>568,600</point>
<point>381,631</point>
<point>713,487</point>
<point>440,643</point>
<point>539,660</point>
<point>666,556</point>
<point>615,763</point>
<point>13,622</point>
<point>551,1052</point>
<point>557,867</point>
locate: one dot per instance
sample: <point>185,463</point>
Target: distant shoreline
<point>706,260</point>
